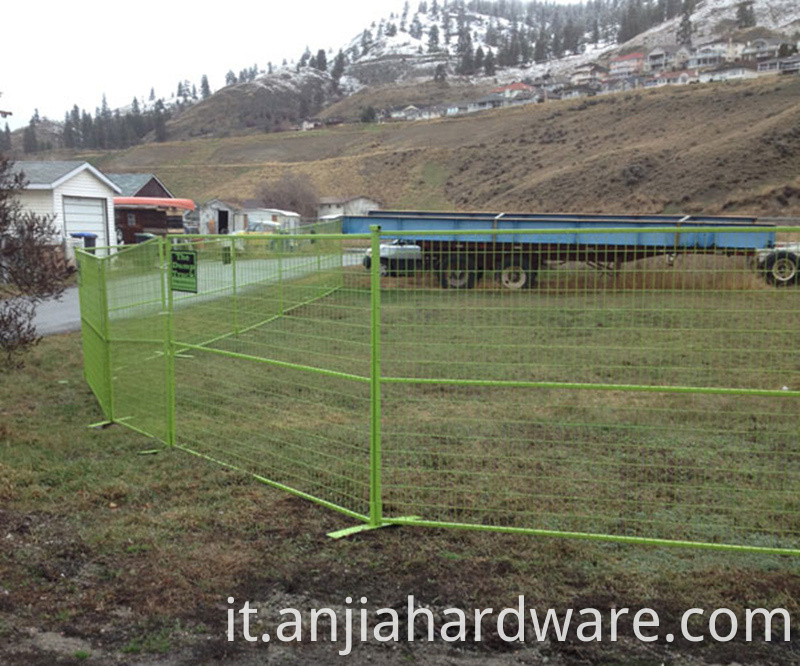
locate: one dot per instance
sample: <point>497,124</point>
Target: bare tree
<point>290,192</point>
<point>31,267</point>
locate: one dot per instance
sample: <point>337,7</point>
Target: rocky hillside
<point>701,148</point>
<point>270,103</point>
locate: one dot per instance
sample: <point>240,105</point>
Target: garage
<point>86,215</point>
<point>75,195</point>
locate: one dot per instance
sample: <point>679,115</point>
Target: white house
<point>252,216</point>
<point>346,206</point>
<point>79,198</point>
<point>728,73</point>
<point>625,66</point>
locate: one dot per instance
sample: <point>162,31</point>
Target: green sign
<point>184,270</point>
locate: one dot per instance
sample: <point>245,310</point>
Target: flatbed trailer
<point>461,247</point>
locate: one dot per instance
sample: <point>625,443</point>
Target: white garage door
<point>85,215</point>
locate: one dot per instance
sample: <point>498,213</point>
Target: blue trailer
<point>461,247</point>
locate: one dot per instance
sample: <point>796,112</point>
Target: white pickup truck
<point>780,264</point>
<point>399,257</point>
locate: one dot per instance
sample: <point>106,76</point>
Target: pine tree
<point>230,78</point>
<point>391,30</point>
<point>6,138</point>
<point>684,34</point>
<point>433,39</point>
<point>322,61</point>
<point>466,56</point>
<point>404,17</point>
<point>68,132</point>
<point>160,121</point>
<point>745,14</point>
<point>205,89</point>
<point>479,58</point>
<point>338,67</point>
<point>30,143</point>
<point>366,41</point>
<point>152,94</point>
<point>489,66</point>
<point>416,28</point>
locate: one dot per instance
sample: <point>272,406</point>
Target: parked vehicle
<point>398,257</point>
<point>460,260</point>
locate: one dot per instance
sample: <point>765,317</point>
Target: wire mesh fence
<point>633,387</point>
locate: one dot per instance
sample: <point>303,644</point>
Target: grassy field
<point>124,550</point>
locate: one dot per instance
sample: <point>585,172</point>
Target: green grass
<point>183,534</point>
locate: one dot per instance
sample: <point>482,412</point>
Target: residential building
<point>729,73</point>
<point>514,90</point>
<point>79,198</point>
<point>762,49</point>
<point>355,205</point>
<point>625,66</point>
<point>587,74</point>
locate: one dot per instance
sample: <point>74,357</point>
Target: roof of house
<point>225,204</point>
<point>332,201</point>
<point>131,183</point>
<point>517,85</point>
<point>48,175</point>
<point>630,56</point>
<point>257,204</point>
<point>671,49</point>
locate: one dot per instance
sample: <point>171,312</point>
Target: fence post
<point>235,296</point>
<point>279,247</point>
<point>375,496</point>
<point>106,328</point>
<point>164,247</point>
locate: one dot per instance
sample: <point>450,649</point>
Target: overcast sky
<point>57,53</point>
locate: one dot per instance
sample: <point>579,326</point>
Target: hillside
<point>711,148</point>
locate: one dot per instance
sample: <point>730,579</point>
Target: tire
<point>457,272</point>
<point>517,274</point>
<point>781,268</point>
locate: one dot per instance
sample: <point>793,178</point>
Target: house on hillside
<point>623,67</point>
<point>217,217</point>
<point>358,205</point>
<point>729,73</point>
<point>679,78</point>
<point>666,57</point>
<point>78,197</point>
<point>588,74</point>
<point>790,65</point>
<point>714,54</point>
<point>485,103</point>
<point>513,90</point>
<point>762,49</point>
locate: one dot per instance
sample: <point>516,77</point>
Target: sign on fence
<point>184,270</point>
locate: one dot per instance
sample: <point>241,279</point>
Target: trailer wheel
<point>457,272</point>
<point>782,268</point>
<point>517,274</point>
